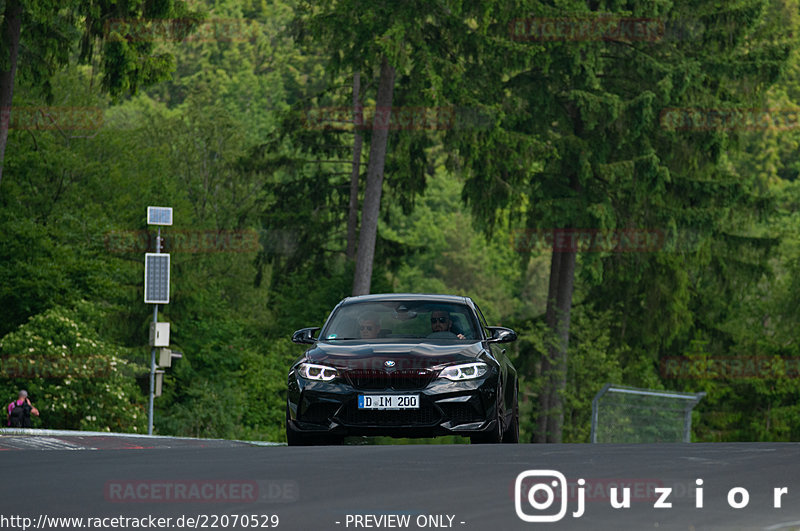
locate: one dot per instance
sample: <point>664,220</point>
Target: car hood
<point>405,355</point>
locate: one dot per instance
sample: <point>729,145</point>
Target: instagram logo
<point>537,488</point>
<point>541,492</point>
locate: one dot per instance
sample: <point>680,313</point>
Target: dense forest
<point>617,181</point>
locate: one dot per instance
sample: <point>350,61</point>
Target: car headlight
<point>322,373</point>
<point>466,371</point>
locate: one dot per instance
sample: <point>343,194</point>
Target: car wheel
<point>493,437</point>
<point>294,437</point>
<point>511,435</point>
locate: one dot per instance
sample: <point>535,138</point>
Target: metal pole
<point>153,356</point>
<point>595,411</point>
<point>152,378</point>
<point>687,423</point>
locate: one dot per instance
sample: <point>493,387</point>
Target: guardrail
<point>75,433</point>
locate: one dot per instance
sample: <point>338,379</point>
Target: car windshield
<point>401,320</point>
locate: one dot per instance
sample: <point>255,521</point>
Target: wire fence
<point>623,414</point>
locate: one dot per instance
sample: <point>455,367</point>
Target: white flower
<point>30,349</point>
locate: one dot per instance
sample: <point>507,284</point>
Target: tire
<point>511,435</point>
<point>493,437</point>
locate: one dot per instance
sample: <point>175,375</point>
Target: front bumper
<point>446,408</point>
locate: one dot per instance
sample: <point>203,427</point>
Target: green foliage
<point>75,378</point>
<point>573,137</point>
<point>592,363</point>
<point>110,35</point>
<point>449,255</point>
<point>578,141</point>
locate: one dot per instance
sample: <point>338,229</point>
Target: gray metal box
<point>159,383</point>
<point>159,334</point>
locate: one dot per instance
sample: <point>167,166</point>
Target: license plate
<point>388,401</point>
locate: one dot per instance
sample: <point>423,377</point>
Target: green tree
<point>406,44</point>
<point>580,137</point>
<point>78,380</point>
<point>47,30</point>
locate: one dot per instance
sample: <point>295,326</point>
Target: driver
<point>441,322</point>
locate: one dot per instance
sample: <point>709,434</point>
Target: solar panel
<point>156,278</point>
<point>159,215</point>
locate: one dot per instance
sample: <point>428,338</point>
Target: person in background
<point>20,410</point>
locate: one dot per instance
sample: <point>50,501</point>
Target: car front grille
<point>399,380</point>
<point>426,415</point>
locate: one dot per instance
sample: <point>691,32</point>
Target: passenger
<point>369,326</point>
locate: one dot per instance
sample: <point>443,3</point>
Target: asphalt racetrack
<point>208,484</point>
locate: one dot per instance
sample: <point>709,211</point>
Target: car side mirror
<point>305,335</point>
<point>501,334</point>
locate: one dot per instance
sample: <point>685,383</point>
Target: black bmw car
<point>403,365</point>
